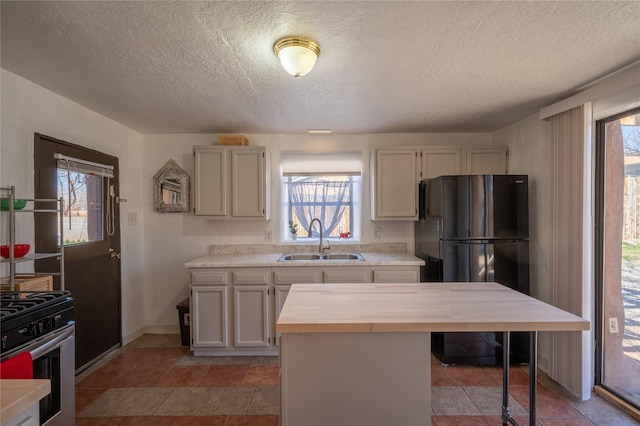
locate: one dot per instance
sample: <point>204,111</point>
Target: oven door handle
<point>43,349</point>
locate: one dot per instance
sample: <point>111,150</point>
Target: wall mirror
<point>171,189</point>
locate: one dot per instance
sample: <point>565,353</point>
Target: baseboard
<point>151,329</point>
<point>619,402</point>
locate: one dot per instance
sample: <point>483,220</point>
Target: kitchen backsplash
<point>310,248</point>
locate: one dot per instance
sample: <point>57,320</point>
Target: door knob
<point>114,254</point>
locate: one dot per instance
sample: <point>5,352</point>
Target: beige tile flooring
<point>155,381</point>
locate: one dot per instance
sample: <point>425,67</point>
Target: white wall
<point>27,109</point>
<point>171,239</point>
<point>529,154</point>
<point>155,249</point>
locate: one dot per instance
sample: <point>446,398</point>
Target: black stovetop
<point>19,303</point>
<point>27,316</point>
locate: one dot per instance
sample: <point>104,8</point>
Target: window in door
<point>618,253</point>
<point>81,184</point>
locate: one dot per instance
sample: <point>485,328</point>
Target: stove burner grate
<point>17,302</point>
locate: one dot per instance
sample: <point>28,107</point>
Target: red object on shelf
<point>18,367</point>
<point>19,250</point>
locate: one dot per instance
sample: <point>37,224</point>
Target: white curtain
<point>325,200</point>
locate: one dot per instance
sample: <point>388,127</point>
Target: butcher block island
<point>360,354</point>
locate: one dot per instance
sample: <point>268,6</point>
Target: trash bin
<point>185,321</point>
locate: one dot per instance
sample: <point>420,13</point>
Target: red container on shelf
<point>19,250</point>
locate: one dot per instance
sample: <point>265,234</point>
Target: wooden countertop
<point>18,395</point>
<point>418,307</point>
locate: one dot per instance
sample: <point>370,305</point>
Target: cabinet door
<point>251,315</point>
<point>211,182</point>
<point>281,291</point>
<point>395,186</point>
<point>209,316</point>
<point>486,161</point>
<point>440,162</point>
<point>248,187</point>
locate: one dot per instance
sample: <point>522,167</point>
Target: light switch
<point>132,218</point>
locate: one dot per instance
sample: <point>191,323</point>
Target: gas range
<point>27,316</point>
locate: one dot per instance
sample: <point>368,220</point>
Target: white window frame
<point>328,165</point>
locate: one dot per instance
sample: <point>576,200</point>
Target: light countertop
<point>418,307</point>
<point>18,395</point>
<point>271,259</point>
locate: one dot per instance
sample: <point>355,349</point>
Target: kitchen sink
<point>289,257</point>
<point>320,257</point>
<point>342,256</point>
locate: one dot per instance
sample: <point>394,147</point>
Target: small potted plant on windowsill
<point>293,227</point>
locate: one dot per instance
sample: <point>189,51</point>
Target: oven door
<point>54,359</point>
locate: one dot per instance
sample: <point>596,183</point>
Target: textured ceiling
<point>385,66</point>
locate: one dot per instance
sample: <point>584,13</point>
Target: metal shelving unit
<point>9,193</point>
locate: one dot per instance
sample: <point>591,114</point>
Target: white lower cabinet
<point>281,293</point>
<point>354,274</point>
<point>245,302</point>
<point>251,315</point>
<point>393,274</point>
<point>282,280</point>
<point>29,417</point>
<point>209,316</point>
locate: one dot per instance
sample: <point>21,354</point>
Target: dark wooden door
<point>91,230</point>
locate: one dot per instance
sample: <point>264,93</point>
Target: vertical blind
<point>569,359</point>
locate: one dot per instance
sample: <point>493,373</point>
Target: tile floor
<point>155,381</point>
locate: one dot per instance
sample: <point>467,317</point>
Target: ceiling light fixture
<point>319,131</point>
<point>298,55</point>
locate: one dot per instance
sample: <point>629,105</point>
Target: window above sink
<point>324,186</point>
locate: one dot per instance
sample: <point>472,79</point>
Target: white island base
<point>351,379</point>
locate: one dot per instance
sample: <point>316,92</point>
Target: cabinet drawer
<point>406,276</point>
<point>297,276</point>
<point>213,277</point>
<point>252,276</point>
<point>340,275</point>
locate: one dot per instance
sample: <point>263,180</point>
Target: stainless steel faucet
<point>309,231</point>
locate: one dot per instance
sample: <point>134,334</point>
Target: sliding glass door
<point>618,254</point>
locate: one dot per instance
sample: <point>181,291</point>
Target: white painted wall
<point>529,153</point>
<point>171,239</point>
<point>155,250</point>
<point>27,109</point>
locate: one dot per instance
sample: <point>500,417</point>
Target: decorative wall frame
<point>171,189</point>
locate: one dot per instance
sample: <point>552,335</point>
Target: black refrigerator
<point>475,228</point>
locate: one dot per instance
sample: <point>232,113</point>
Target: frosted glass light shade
<point>297,55</point>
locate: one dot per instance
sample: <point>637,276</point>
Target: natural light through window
<point>82,195</point>
<point>324,187</point>
<point>81,184</point>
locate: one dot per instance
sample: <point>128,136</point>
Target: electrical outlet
<point>267,235</point>
<point>613,325</point>
<point>377,233</point>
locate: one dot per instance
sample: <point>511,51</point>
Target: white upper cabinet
<point>395,174</point>
<point>440,162</point>
<point>486,161</point>
<point>394,184</point>
<point>231,182</point>
<point>211,181</point>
